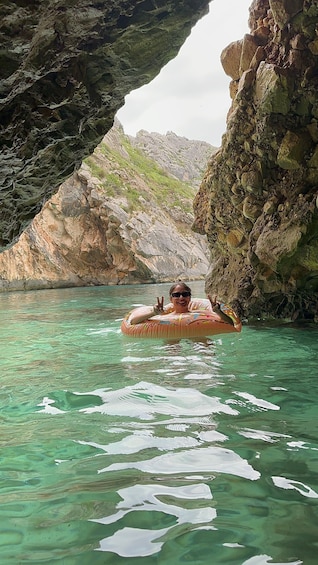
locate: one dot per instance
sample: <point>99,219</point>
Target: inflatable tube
<point>201,321</point>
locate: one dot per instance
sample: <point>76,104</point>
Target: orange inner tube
<point>201,321</point>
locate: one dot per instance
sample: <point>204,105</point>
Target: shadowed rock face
<point>66,67</point>
<point>258,200</point>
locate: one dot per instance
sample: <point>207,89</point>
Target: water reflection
<point>145,400</point>
<point>203,460</point>
<point>185,508</point>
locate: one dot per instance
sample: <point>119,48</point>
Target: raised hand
<point>213,300</point>
<point>225,312</point>
<point>160,303</point>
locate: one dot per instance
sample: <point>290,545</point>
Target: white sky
<point>190,96</point>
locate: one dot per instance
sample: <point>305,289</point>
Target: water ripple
<point>205,459</point>
<point>170,501</point>
<point>144,400</point>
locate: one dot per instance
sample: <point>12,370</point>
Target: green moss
<point>165,189</point>
<point>160,187</point>
<point>96,170</point>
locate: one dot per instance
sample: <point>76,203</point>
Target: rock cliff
<point>120,219</point>
<point>65,68</point>
<point>179,156</point>
<point>259,197</point>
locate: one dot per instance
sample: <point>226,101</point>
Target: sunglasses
<point>184,294</point>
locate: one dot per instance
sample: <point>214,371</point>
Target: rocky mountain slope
<point>120,219</point>
<point>179,156</point>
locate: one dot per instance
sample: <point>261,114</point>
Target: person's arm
<point>216,307</point>
<point>146,312</point>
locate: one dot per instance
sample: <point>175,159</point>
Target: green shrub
<point>161,188</point>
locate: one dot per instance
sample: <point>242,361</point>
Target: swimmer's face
<point>180,298</point>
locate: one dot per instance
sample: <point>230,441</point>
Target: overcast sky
<point>190,96</point>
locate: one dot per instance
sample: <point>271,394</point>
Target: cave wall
<point>258,200</point>
<point>65,68</point>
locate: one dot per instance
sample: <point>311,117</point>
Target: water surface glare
<point>118,450</point>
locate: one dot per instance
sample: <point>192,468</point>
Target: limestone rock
<point>231,59</point>
<point>284,10</point>
<point>271,89</point>
<point>184,158</point>
<point>293,149</point>
<point>249,48</point>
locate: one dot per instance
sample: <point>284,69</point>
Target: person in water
<point>180,298</point>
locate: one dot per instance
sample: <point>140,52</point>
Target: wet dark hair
<point>180,283</point>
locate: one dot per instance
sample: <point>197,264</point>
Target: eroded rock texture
<point>66,67</point>
<point>258,200</point>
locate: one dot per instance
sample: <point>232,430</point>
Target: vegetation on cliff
<point>113,166</point>
<point>139,172</point>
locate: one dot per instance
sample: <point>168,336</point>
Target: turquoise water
<point>116,450</point>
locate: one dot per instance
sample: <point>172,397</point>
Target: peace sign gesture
<point>159,305</point>
<point>214,302</point>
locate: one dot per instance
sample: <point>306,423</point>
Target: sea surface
<point>117,450</point>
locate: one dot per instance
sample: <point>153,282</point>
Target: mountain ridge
<point>183,158</point>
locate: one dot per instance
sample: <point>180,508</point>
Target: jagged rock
<point>184,158</point>
<point>283,10</point>
<point>249,47</point>
<point>231,59</point>
<point>293,150</point>
<point>257,201</point>
<point>65,68</point>
<point>95,231</point>
<point>272,93</point>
